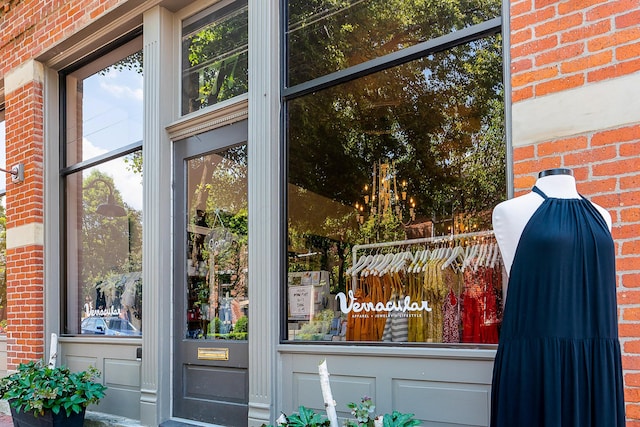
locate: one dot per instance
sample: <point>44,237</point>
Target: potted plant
<point>42,396</point>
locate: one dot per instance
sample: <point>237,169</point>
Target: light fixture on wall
<point>17,173</point>
<point>110,209</point>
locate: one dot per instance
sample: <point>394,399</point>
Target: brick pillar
<point>25,203</point>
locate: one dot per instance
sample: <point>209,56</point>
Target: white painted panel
<point>443,387</point>
<point>345,389</point>
<point>121,373</point>
<point>448,403</point>
<point>116,358</point>
<point>124,403</point>
<point>82,363</point>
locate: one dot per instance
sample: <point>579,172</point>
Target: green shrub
<point>35,387</point>
<point>242,325</point>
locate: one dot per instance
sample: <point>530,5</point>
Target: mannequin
<point>511,216</point>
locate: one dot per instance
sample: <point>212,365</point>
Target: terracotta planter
<point>49,419</point>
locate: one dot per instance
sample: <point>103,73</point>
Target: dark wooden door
<point>211,297</point>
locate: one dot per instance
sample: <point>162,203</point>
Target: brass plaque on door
<point>213,353</point>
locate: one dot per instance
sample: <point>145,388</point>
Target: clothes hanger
<point>481,252</point>
<point>414,259</point>
<point>435,256</point>
<point>369,259</point>
<point>384,268</point>
<point>488,255</point>
<point>473,249</point>
<point>496,255</point>
<point>373,270</point>
<point>385,263</point>
<point>364,272</point>
<point>456,253</point>
<point>399,262</point>
<point>421,260</point>
<point>358,263</point>
<point>408,260</point>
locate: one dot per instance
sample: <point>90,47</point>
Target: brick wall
<point>565,46</point>
<point>25,265</point>
<point>30,27</point>
<point>559,45</point>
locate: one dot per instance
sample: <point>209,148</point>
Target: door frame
<point>219,138</point>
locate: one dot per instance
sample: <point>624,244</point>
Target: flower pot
<point>49,419</point>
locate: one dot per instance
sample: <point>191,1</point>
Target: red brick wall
<point>25,265</point>
<point>30,27</point>
<point>557,46</point>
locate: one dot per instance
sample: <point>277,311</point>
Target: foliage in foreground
<point>36,388</point>
<point>364,414</point>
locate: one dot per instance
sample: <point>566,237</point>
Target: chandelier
<point>385,196</point>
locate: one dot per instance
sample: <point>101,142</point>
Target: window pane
<point>104,109</point>
<point>410,152</point>
<point>330,35</point>
<point>214,57</point>
<point>217,246</point>
<point>104,248</point>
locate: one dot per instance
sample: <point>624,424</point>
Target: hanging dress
<point>558,362</point>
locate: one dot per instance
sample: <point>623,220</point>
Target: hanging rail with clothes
<point>444,289</point>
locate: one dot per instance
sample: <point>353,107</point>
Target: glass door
<point>211,293</point>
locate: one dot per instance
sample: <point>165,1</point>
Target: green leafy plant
<point>305,418</point>
<point>364,413</point>
<point>36,388</point>
<point>397,419</point>
<point>242,324</point>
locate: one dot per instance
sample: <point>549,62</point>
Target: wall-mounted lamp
<point>17,173</point>
<point>111,208</point>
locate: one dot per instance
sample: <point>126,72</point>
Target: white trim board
<point>25,235</point>
<point>596,106</point>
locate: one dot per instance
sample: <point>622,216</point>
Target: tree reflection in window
<point>439,120</point>
<point>215,57</point>
<point>324,36</point>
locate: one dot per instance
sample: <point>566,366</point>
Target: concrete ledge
<point>99,419</point>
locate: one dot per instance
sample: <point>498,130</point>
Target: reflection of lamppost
<point>110,209</point>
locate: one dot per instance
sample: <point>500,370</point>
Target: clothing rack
<point>435,239</point>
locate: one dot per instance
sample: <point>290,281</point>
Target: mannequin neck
<point>558,186</point>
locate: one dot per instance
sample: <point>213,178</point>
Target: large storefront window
<point>103,194</point>
<point>392,178</point>
<point>214,56</point>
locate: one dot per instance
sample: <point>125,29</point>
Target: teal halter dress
<point>558,362</point>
